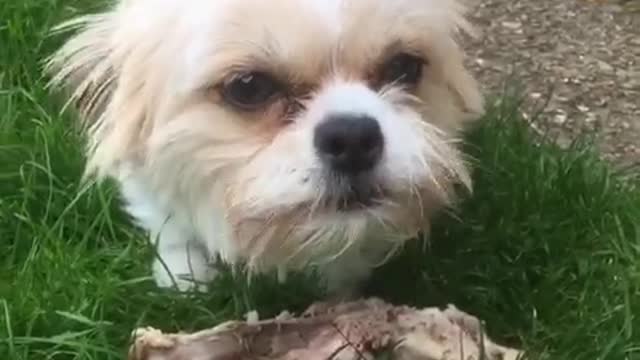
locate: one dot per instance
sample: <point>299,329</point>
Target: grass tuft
<point>546,251</point>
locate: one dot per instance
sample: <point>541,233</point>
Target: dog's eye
<point>249,91</point>
<point>402,69</point>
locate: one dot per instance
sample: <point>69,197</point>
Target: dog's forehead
<point>305,36</point>
<point>331,11</point>
<point>331,15</point>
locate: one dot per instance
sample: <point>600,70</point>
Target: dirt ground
<point>586,52</point>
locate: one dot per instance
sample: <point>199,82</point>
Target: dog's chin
<point>320,229</point>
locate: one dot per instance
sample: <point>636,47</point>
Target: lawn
<point>546,250</point>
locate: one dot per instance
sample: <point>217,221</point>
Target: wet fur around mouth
<point>353,192</point>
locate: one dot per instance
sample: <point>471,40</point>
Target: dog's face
<point>313,124</point>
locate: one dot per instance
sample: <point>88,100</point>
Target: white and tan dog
<point>281,133</point>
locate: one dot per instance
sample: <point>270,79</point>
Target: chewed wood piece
<point>348,331</point>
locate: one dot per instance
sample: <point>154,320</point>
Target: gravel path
<point>586,52</point>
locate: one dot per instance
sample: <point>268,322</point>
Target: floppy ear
<point>462,85</point>
<point>466,92</point>
<point>104,67</point>
<point>84,63</point>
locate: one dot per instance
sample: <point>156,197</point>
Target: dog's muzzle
<point>350,147</point>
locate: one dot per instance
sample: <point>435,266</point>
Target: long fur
<point>200,175</point>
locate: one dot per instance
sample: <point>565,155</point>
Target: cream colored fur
<point>206,180</point>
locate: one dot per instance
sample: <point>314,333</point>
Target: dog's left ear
<point>466,92</point>
<point>461,84</point>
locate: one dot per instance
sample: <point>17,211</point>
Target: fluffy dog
<point>281,134</point>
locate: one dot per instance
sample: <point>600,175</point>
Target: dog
<point>283,134</point>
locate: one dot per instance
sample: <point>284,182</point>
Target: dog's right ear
<point>106,65</point>
<point>85,63</point>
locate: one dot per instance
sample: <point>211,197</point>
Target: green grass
<point>547,251</point>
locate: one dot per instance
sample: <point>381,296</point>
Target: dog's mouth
<point>355,194</point>
<point>356,202</point>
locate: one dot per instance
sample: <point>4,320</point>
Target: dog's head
<point>312,123</point>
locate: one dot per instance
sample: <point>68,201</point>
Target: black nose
<point>349,143</point>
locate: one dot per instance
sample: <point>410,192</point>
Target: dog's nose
<point>349,143</point>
